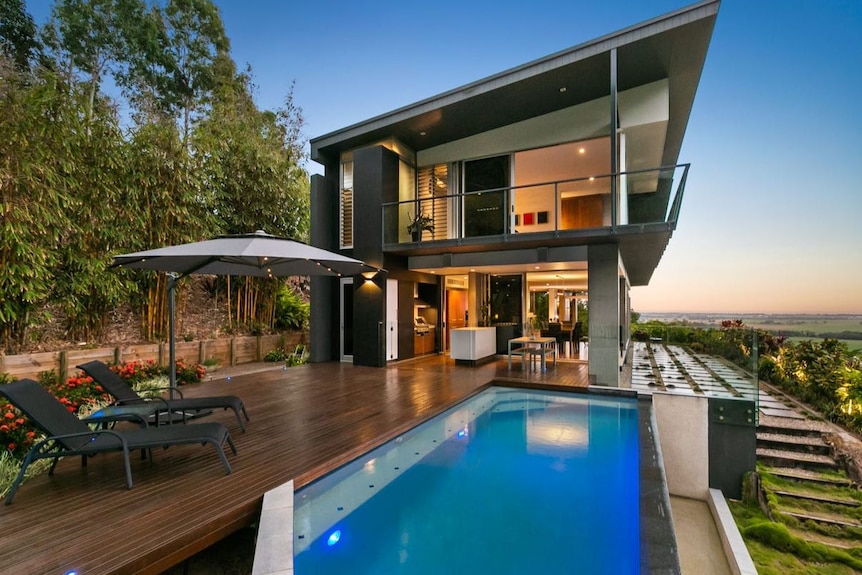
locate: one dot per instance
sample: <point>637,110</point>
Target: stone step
<point>822,519</point>
<point>812,537</point>
<point>795,474</point>
<point>788,429</point>
<point>818,498</point>
<point>797,443</point>
<point>783,458</point>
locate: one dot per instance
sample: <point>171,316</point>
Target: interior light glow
<point>334,537</point>
<point>582,150</point>
<point>592,178</point>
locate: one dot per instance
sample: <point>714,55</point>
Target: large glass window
<point>557,187</point>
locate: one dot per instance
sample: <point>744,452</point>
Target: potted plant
<point>418,224</point>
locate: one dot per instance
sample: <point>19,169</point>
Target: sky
<point>771,220</point>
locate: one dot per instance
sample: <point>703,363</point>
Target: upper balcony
<point>567,212</point>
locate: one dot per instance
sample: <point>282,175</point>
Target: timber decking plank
<point>304,421</point>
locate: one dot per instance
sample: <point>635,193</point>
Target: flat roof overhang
<point>672,46</point>
<point>641,247</point>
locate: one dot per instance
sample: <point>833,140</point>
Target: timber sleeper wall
<point>233,351</point>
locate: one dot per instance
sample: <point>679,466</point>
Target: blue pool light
<point>334,537</point>
<point>72,572</point>
<point>461,433</point>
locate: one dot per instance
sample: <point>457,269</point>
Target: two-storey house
<point>520,198</point>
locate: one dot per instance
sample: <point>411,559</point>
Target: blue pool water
<point>511,481</point>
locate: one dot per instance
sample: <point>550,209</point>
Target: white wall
<point>683,432</point>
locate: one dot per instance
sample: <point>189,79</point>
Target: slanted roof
<point>672,46</point>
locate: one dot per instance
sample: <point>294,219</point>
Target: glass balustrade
<point>634,198</point>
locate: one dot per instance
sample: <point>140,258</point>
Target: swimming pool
<point>510,481</point>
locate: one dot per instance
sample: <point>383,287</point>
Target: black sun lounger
<point>192,406</point>
<point>68,435</point>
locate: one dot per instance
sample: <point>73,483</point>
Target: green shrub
<point>187,374</point>
<point>78,392</point>
<point>135,372</point>
<point>16,432</point>
<point>277,354</point>
<point>291,312</point>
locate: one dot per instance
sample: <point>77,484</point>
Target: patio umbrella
<point>258,255</point>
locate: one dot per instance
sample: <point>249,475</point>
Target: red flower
<point>31,434</point>
<point>19,421</point>
<point>11,447</point>
<point>4,428</point>
<point>10,415</point>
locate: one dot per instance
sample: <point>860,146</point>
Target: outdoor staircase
<point>794,447</point>
<point>809,490</point>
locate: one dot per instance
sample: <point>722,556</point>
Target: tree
<point>173,60</point>
<point>93,37</point>
<point>17,34</point>
<point>165,191</point>
<point>33,151</point>
<point>251,165</point>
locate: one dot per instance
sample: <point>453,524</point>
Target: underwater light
<point>334,537</point>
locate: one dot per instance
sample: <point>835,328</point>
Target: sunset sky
<point>770,221</point>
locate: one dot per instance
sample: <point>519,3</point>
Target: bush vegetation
<point>191,157</point>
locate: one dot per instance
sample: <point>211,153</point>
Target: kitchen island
<point>472,345</point>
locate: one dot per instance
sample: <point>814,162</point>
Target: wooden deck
<point>304,421</point>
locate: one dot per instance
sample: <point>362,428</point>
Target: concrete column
<point>324,290</point>
<point>604,290</point>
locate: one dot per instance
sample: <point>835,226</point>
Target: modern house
<point>540,188</point>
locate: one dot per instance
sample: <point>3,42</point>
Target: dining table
<point>532,346</point>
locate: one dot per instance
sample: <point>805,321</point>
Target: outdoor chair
<point>577,333</point>
<point>187,406</point>
<point>68,435</point>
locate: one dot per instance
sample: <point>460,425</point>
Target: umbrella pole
<point>172,336</point>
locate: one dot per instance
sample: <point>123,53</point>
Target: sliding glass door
<point>485,212</point>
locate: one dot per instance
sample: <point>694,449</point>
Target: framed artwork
<point>542,218</point>
<point>517,219</point>
<point>529,219</point>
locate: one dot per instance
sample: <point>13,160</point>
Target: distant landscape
<point>795,327</point>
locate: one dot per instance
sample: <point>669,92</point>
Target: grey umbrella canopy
<point>258,255</point>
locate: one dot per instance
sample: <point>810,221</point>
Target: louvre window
<point>346,206</point>
<point>433,187</point>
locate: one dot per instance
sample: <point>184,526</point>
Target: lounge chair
<point>68,435</point>
<point>195,406</point>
